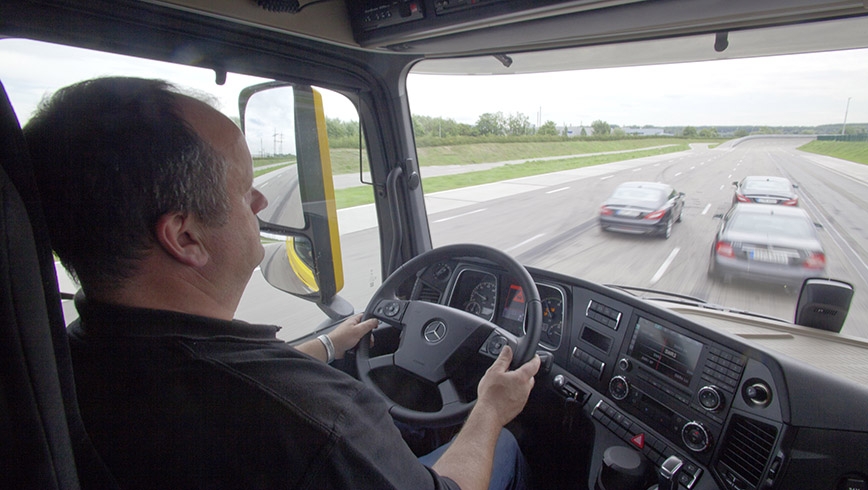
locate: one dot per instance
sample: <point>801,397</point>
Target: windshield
<point>523,163</point>
<point>782,226</point>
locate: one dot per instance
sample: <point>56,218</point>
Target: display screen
<point>515,307</point>
<point>668,352</point>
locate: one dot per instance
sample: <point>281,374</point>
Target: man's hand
<point>503,391</point>
<point>344,337</point>
<point>349,332</point>
<point>502,395</point>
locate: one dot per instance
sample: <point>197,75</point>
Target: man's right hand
<point>505,392</point>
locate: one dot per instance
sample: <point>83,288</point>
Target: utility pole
<point>844,126</point>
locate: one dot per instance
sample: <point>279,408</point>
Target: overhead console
<point>377,22</point>
<point>464,27</point>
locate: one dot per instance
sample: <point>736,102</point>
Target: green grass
<point>357,196</point>
<point>854,151</point>
<point>346,160</point>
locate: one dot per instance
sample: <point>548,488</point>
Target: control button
<point>391,309</point>
<point>624,364</point>
<point>853,484</point>
<point>638,440</point>
<point>619,388</point>
<point>695,437</point>
<point>710,398</point>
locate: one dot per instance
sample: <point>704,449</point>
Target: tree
<point>740,133</point>
<point>689,132</point>
<point>491,124</point>
<point>548,129</point>
<point>708,133</point>
<point>601,128</point>
<point>584,132</point>
<point>518,124</point>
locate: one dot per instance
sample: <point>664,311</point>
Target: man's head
<point>116,157</point>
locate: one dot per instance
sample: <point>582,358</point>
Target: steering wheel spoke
<point>448,392</point>
<point>386,360</point>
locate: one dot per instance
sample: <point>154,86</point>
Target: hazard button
<point>638,440</point>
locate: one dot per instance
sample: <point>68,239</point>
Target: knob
<point>710,398</point>
<point>559,381</point>
<point>695,437</point>
<point>619,388</point>
<point>758,394</point>
<point>624,364</point>
<point>623,469</point>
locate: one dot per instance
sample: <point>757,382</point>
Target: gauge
<point>552,320</point>
<point>482,300</point>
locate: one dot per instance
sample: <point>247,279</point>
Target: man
<point>149,199</point>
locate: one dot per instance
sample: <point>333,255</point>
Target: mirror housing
<point>302,210</point>
<point>823,304</point>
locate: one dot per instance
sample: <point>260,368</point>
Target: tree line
<point>497,124</point>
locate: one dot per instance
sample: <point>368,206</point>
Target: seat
<point>44,444</point>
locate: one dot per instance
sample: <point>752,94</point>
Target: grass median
<point>357,196</point>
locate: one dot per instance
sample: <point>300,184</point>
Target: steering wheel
<point>434,338</point>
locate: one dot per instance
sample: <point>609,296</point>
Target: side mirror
<point>823,304</point>
<point>301,213</point>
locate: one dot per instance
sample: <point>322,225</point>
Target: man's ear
<point>179,235</point>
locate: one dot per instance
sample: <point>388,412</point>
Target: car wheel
<point>667,232</point>
<point>712,269</point>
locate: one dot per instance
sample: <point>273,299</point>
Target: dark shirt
<point>182,401</point>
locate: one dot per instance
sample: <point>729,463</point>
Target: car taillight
<point>816,260</point>
<point>791,202</point>
<point>656,214</point>
<point>741,198</point>
<point>724,249</point>
<point>605,211</point>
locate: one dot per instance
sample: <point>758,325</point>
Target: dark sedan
<point>765,189</point>
<point>777,244</point>
<point>642,208</point>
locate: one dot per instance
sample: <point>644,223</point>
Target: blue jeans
<point>510,470</point>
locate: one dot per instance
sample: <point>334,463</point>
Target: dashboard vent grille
<point>747,448</point>
<point>429,294</point>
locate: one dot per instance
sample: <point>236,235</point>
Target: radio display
<point>663,350</point>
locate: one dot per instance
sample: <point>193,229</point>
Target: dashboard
<point>730,413</point>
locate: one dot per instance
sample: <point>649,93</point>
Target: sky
<point>793,90</point>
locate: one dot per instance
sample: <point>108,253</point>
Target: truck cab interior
<point>752,402</point>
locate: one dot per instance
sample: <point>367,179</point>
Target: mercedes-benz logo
<point>434,332</point>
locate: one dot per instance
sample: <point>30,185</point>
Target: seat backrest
<point>43,444</point>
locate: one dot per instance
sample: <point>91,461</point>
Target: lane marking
<point>606,177</point>
<point>666,264</point>
<point>707,207</point>
<point>460,215</point>
<point>679,173</point>
<point>557,190</point>
<point>637,169</point>
<point>517,245</point>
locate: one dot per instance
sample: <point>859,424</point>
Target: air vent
<point>748,445</point>
<point>429,294</point>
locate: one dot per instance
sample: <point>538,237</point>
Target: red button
<point>639,441</point>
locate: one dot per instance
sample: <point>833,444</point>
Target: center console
<point>666,393</point>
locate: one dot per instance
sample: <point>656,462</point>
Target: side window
<point>27,80</point>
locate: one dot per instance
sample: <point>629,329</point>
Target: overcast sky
<point>808,89</point>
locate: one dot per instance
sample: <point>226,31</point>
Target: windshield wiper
<point>683,299</point>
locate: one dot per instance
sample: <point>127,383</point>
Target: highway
<point>550,221</point>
